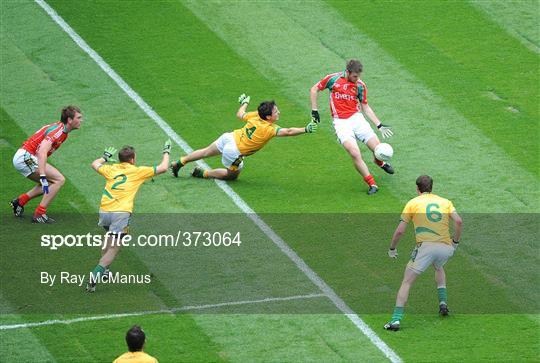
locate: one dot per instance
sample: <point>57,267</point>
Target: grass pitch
<point>459,114</point>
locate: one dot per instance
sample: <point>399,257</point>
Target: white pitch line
<point>325,288</point>
<point>153,312</point>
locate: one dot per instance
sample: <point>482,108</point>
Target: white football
<point>383,152</point>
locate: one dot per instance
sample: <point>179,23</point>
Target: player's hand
<point>243,99</point>
<point>455,244</point>
<point>385,130</point>
<point>315,116</point>
<point>311,127</point>
<point>44,184</point>
<point>392,253</point>
<point>167,147</point>
<point>108,154</point>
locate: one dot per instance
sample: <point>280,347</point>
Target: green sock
<point>98,270</point>
<point>443,297</point>
<point>398,313</point>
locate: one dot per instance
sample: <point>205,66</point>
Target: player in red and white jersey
<point>31,161</point>
<point>348,105</point>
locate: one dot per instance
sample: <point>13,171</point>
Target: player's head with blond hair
<point>268,111</point>
<point>135,339</point>
<point>127,154</point>
<point>424,184</point>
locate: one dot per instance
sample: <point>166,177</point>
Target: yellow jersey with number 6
<point>430,215</point>
<point>255,134</point>
<point>122,183</point>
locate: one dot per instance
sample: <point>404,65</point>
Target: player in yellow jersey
<point>123,180</point>
<point>431,216</point>
<point>135,339</point>
<point>233,146</point>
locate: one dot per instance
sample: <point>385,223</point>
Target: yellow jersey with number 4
<point>256,133</point>
<point>122,183</point>
<point>430,215</point>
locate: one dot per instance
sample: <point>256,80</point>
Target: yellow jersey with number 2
<point>123,182</point>
<point>256,133</point>
<point>430,215</point>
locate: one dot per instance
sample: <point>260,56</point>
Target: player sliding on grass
<point>234,146</point>
<point>123,180</point>
<point>348,96</point>
<point>31,161</point>
<point>430,215</point>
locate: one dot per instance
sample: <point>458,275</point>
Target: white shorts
<point>24,162</point>
<point>230,155</point>
<point>354,127</point>
<point>429,253</point>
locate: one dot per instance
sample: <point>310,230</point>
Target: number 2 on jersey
<point>120,182</point>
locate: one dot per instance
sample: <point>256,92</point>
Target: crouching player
<point>122,183</point>
<point>31,160</point>
<point>430,215</point>
<point>234,146</point>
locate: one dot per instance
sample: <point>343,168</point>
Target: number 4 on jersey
<point>250,131</point>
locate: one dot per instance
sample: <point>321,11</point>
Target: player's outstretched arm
<point>392,251</point>
<point>310,128</point>
<point>108,154</point>
<point>244,102</point>
<point>164,165</point>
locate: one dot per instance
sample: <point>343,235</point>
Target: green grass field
<point>459,83</point>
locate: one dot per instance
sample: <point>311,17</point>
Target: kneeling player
<point>122,183</point>
<point>234,146</point>
<point>430,215</point>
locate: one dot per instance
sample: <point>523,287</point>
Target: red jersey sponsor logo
<point>54,132</point>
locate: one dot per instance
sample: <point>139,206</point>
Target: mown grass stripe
<point>519,17</point>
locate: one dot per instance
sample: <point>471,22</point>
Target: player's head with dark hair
<point>135,338</point>
<point>354,66</point>
<point>69,112</point>
<point>71,117</point>
<point>127,154</point>
<point>424,183</point>
<point>268,111</point>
